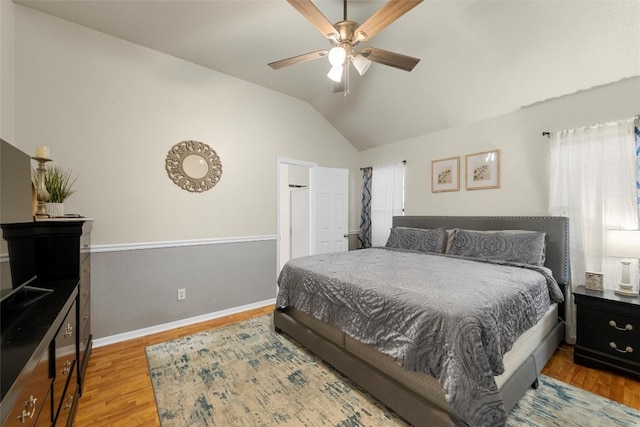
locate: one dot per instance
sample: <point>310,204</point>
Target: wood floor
<point>609,384</point>
<point>118,392</point>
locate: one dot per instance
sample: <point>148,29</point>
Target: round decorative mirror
<point>193,166</point>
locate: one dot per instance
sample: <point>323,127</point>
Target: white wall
<point>6,70</point>
<point>524,152</point>
<point>111,110</point>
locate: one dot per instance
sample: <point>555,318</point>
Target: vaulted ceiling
<point>479,59</point>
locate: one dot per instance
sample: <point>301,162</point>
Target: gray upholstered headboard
<point>555,227</point>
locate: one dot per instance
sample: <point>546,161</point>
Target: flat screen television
<point>24,294</point>
<point>7,292</point>
<point>16,206</point>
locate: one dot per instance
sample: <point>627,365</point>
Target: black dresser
<point>608,331</point>
<point>46,335</point>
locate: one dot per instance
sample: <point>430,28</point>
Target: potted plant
<point>59,184</point>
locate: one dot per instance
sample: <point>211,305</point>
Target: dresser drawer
<point>85,280</point>
<point>62,385</point>
<point>67,403</point>
<point>85,246</point>
<point>65,356</point>
<point>85,330</point>
<point>30,405</point>
<point>614,334</point>
<point>45,418</point>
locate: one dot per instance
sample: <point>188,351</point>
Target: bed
<point>398,322</point>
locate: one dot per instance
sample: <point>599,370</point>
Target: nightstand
<point>608,331</point>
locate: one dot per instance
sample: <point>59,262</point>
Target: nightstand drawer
<point>614,334</point>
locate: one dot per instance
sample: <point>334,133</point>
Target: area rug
<point>245,374</point>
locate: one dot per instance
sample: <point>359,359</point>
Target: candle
<point>42,152</point>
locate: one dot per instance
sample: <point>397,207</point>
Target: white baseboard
<point>178,323</point>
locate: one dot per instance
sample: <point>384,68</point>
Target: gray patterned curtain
<point>365,216</point>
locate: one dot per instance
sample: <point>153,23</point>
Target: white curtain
<point>386,200</point>
<point>593,182</point>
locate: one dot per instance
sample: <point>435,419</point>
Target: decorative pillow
<point>525,247</point>
<point>451,233</point>
<point>418,239</point>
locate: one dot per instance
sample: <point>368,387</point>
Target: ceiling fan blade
<point>313,15</point>
<point>298,59</point>
<point>391,59</point>
<point>388,13</point>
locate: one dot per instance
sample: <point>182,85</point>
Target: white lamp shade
<point>623,244</point>
<point>337,55</point>
<point>361,64</point>
<point>335,73</point>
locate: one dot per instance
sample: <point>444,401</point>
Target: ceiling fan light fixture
<point>337,55</point>
<point>335,73</point>
<point>361,64</point>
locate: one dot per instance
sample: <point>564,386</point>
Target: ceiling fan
<point>345,35</point>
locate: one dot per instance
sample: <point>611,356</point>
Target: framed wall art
<point>445,175</point>
<point>482,170</point>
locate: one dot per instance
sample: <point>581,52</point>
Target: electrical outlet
<point>182,294</point>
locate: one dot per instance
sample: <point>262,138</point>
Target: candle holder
<point>41,192</point>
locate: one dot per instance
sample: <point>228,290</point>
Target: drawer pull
<point>85,246</point>
<point>69,331</point>
<point>86,316</point>
<point>29,409</point>
<point>69,402</point>
<point>627,327</point>
<point>67,367</point>
<point>628,349</point>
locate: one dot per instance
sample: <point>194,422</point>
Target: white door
<point>332,209</point>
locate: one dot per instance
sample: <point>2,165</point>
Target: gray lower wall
<point>135,289</point>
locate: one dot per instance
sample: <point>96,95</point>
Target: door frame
<point>282,161</point>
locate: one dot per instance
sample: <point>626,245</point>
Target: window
<point>387,200</point>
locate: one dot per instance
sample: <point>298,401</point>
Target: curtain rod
<point>404,162</point>
<point>548,134</point>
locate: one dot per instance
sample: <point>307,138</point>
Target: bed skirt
<point>420,401</point>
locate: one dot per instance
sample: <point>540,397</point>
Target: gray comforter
<point>451,317</point>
